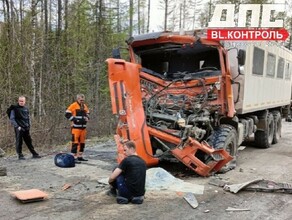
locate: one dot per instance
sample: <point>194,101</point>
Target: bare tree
<point>168,7</point>
<point>139,17</point>
<point>148,16</point>
<point>131,12</point>
<point>118,17</point>
<point>32,53</point>
<point>288,23</point>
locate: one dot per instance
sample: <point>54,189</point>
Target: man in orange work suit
<point>78,114</point>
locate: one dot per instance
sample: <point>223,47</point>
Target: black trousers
<point>20,136</point>
<point>120,185</point>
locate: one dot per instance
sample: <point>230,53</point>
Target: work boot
<point>81,159</point>
<point>122,200</point>
<point>112,192</point>
<point>36,156</point>
<point>21,157</point>
<point>137,200</point>
<point>77,161</point>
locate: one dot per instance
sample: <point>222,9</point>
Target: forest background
<point>52,50</point>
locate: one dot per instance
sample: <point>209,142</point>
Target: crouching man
<point>128,179</point>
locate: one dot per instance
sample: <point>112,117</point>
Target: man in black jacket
<point>19,118</point>
<point>129,177</point>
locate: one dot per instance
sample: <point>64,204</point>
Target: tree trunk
<point>7,19</point>
<point>165,14</point>
<point>118,17</point>
<point>184,15</point>
<point>131,12</point>
<point>98,46</point>
<point>58,48</point>
<point>148,16</point>
<point>139,17</point>
<point>32,56</point>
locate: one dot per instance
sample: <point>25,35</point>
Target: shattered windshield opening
<point>176,61</point>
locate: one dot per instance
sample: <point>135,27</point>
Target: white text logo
<point>268,11</point>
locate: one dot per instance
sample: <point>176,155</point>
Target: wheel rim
<point>230,148</point>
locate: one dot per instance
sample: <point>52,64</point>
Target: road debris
<point>231,209</point>
<point>3,171</point>
<point>270,186</point>
<point>191,199</point>
<point>66,186</point>
<point>69,185</point>
<point>241,148</point>
<point>235,188</point>
<point>159,179</point>
<point>218,182</point>
<point>260,185</point>
<point>31,195</point>
<point>2,152</point>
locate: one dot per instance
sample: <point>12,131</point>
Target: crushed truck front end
<point>171,98</point>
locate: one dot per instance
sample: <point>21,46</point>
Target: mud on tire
<point>277,127</point>
<point>264,139</point>
<point>225,137</point>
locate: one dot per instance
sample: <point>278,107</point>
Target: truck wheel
<point>225,137</point>
<point>264,139</point>
<point>277,127</point>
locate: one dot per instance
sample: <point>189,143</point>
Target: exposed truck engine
<point>188,99</point>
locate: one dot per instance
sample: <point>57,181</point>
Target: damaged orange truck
<point>194,100</point>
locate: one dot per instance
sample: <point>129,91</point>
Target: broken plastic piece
<point>31,195</point>
<point>191,199</point>
<point>230,209</point>
<point>66,186</point>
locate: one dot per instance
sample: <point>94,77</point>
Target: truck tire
<point>277,127</point>
<point>225,137</point>
<point>264,139</point>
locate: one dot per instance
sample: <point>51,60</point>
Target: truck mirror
<point>116,53</point>
<point>241,57</point>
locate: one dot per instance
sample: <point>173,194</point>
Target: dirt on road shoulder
<point>85,198</point>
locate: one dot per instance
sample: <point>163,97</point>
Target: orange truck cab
<point>175,99</point>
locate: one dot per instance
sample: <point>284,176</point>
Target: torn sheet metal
<point>235,188</point>
<point>270,186</point>
<point>260,185</point>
